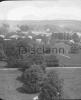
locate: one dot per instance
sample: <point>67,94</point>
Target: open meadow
<point>68,59</point>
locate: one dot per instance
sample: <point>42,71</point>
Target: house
<point>2,36</point>
<point>14,36</point>
<point>30,36</point>
<point>35,98</point>
<point>71,41</point>
<point>38,40</point>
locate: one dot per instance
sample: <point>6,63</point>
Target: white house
<point>39,40</point>
<point>30,36</point>
<point>2,36</point>
<point>7,39</point>
<point>14,36</point>
<point>35,98</point>
<point>71,41</point>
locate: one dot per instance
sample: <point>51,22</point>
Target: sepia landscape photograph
<point>40,50</point>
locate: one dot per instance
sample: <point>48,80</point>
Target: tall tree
<point>4,29</point>
<point>23,28</point>
<point>52,87</point>
<point>75,37</point>
<point>33,77</point>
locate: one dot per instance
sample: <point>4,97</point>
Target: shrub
<point>33,77</point>
<point>43,66</point>
<point>18,63</point>
<point>23,64</point>
<point>52,61</point>
<point>36,59</point>
<point>52,87</point>
<point>74,49</point>
<point>11,62</point>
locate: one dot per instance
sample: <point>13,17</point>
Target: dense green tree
<point>12,52</point>
<point>75,37</point>
<point>52,61</point>
<point>11,49</point>
<point>2,50</point>
<point>52,87</point>
<point>74,48</point>
<point>32,78</point>
<point>23,28</point>
<point>4,29</point>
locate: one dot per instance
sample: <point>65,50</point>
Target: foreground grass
<point>9,84</point>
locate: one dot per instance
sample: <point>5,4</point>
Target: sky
<point>41,10</point>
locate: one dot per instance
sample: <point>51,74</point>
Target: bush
<point>23,64</point>
<point>43,66</point>
<point>52,87</point>
<point>52,61</point>
<point>31,60</point>
<point>74,49</point>
<point>11,62</point>
<point>36,59</point>
<point>33,77</point>
<point>18,63</point>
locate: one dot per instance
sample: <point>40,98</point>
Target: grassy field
<point>73,61</point>
<point>9,84</point>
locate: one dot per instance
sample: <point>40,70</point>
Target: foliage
<point>37,59</point>
<point>52,87</point>
<point>75,37</point>
<point>2,51</point>
<point>74,48</point>
<point>52,61</point>
<point>24,28</point>
<point>43,66</point>
<point>4,28</point>
<point>12,63</point>
<point>21,59</point>
<point>11,49</point>
<point>34,59</point>
<point>11,52</point>
<point>33,77</point>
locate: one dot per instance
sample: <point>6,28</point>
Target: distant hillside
<point>54,25</point>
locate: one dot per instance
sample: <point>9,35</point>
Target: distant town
<point>65,45</point>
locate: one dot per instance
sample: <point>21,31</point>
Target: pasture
<point>68,59</point>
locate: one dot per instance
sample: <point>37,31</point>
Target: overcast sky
<point>41,10</point>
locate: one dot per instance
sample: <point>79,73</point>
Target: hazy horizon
<point>41,10</point>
